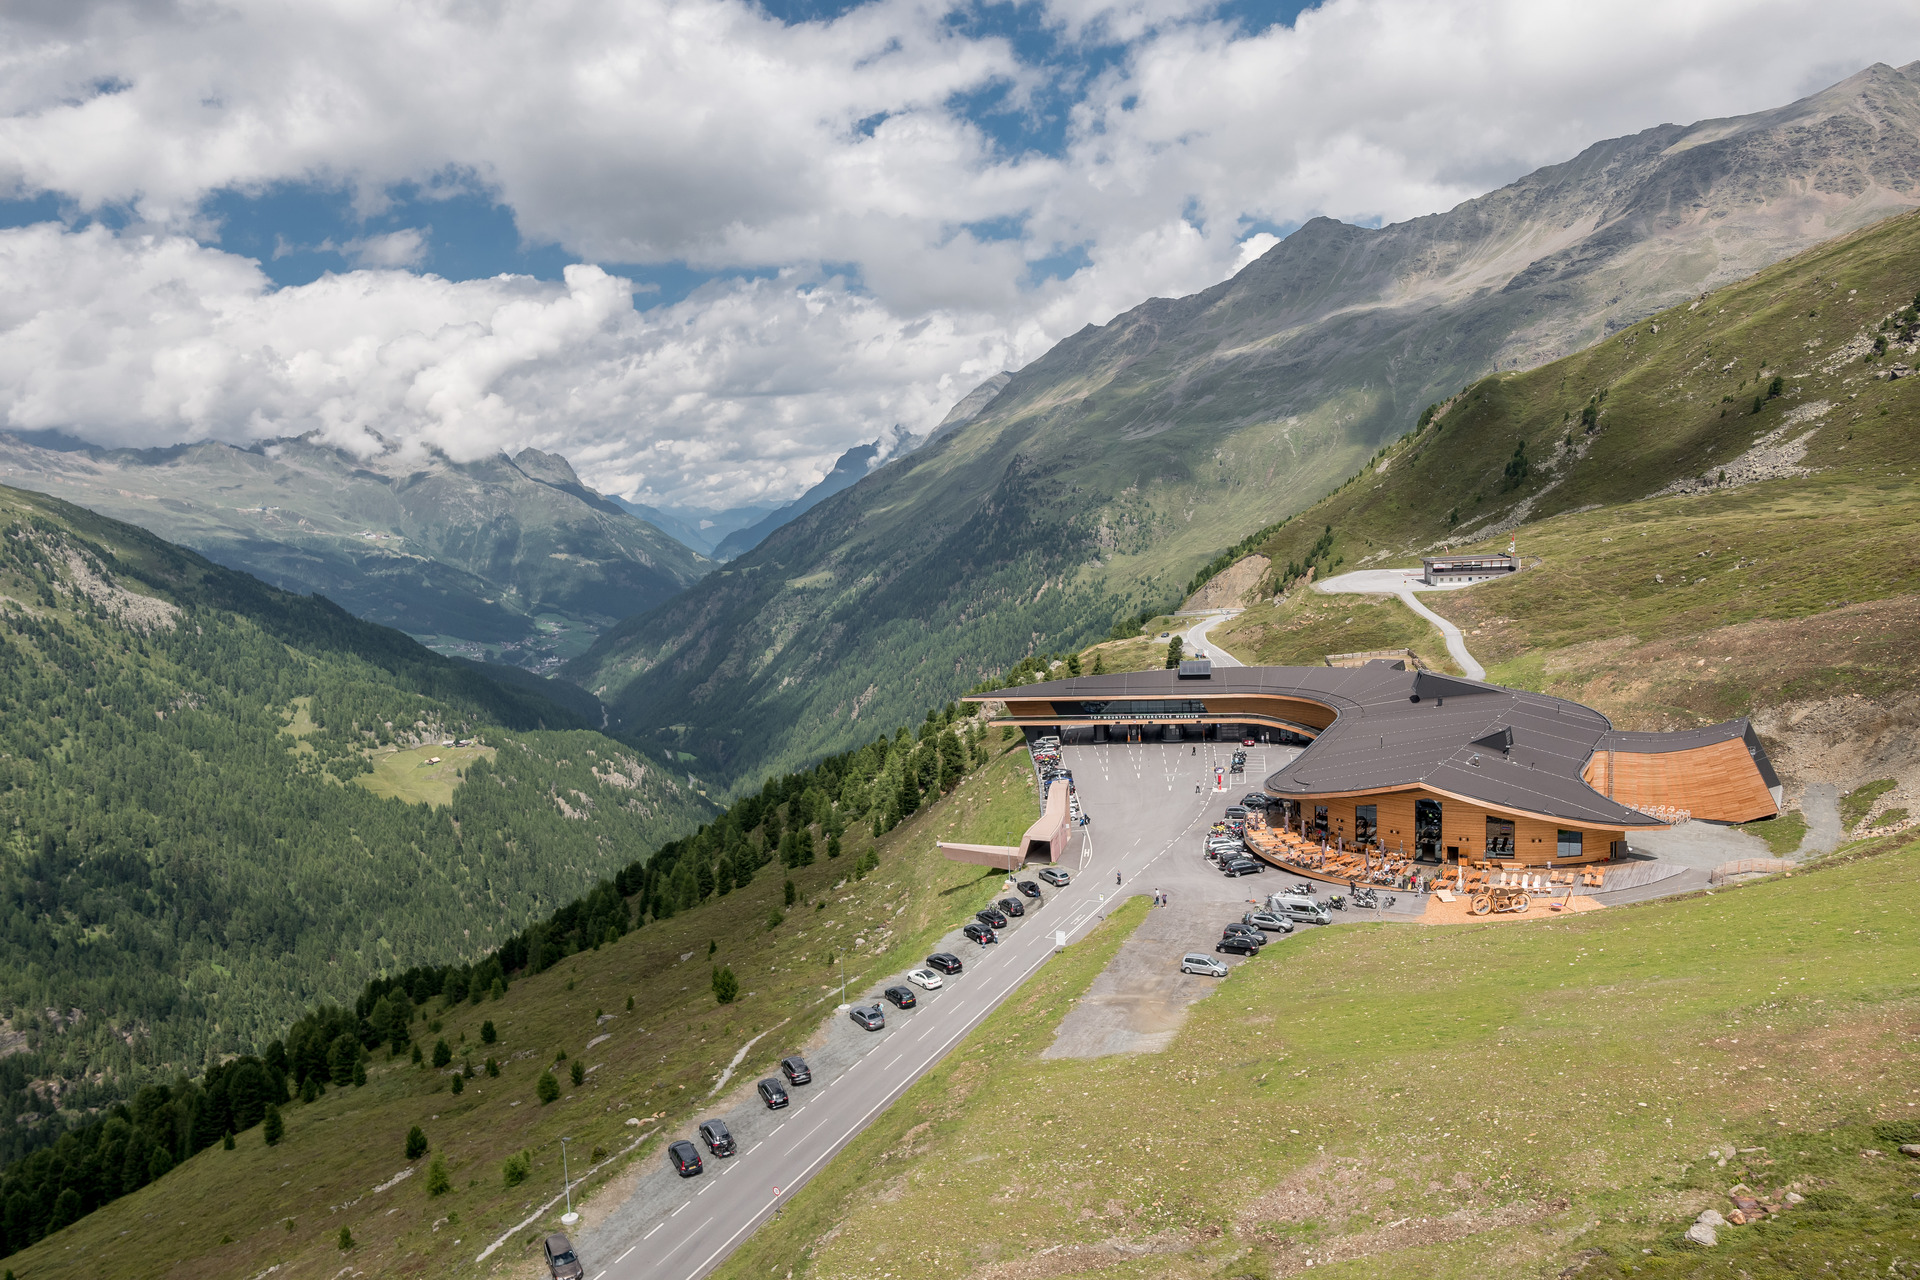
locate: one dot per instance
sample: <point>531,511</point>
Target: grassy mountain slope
<point>1111,468</point>
<point>1514,1100</point>
<point>654,1060</point>
<point>512,559</point>
<point>1744,581</point>
<point>196,843</point>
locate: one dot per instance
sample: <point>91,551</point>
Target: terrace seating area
<point>1375,866</point>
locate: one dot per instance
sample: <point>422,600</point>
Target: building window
<point>1499,838</point>
<point>1426,830</point>
<point>1319,822</point>
<point>1366,822</point>
<point>1569,845</point>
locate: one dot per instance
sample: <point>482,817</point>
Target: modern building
<point>1447,570</point>
<point>1433,767</point>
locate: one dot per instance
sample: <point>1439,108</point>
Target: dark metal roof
<point>1396,728</point>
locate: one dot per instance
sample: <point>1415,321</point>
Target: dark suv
<point>991,917</point>
<point>870,1016</point>
<point>944,962</point>
<point>717,1136</point>
<point>773,1093</point>
<point>796,1070</point>
<point>685,1158</point>
<point>980,933</point>
<point>562,1262</point>
<point>1234,944</point>
<point>1250,932</point>
<point>1029,888</point>
<point>902,997</point>
<point>1011,906</point>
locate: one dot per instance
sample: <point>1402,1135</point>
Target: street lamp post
<point>569,1217</point>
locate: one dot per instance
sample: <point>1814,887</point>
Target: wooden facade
<point>1463,827</point>
<point>1717,782</point>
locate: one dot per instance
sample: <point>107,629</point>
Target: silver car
<point>1204,965</point>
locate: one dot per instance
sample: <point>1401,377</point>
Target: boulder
<point>1794,1197</point>
<point>1711,1217</point>
<point>1702,1234</point>
<point>1736,1219</point>
<point>1910,1149</point>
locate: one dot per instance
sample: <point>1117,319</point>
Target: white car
<point>926,978</point>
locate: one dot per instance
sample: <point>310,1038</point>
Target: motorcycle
<point>1365,899</point>
<point>1338,902</point>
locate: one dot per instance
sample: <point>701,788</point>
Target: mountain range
<point>1099,477</point>
<point>508,559</point>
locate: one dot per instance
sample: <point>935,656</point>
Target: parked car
<point>991,918</point>
<point>1267,920</point>
<point>773,1093</point>
<point>945,962</point>
<point>717,1136</point>
<point>796,1070</point>
<point>1257,800</point>
<point>562,1262</point>
<point>870,1016</point>
<point>685,1159</point>
<point>1234,944</point>
<point>926,979</point>
<point>1298,907</point>
<point>1055,876</point>
<point>902,997</point>
<point>980,933</point>
<point>1011,907</point>
<point>1029,888</point>
<point>1247,931</point>
<point>1204,965</point>
<point>1246,742</point>
<point>1242,867</point>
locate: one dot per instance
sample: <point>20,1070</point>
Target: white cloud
<point>704,131</point>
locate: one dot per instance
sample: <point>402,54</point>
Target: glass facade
<point>1366,822</point>
<point>1426,830</point>
<point>1569,845</point>
<point>1319,822</point>
<point>1499,838</point>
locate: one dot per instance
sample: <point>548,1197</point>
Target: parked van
<point>1298,907</point>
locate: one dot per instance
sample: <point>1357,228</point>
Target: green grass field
<point>1307,626</point>
<point>238,1213</point>
<point>420,775</point>
<point>1426,1102</point>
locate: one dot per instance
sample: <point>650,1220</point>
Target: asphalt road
<point>1143,794</point>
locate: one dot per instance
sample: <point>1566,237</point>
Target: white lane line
<point>896,1058</point>
<point>755,1147</point>
<point>623,1257</point>
<point>676,1212</point>
<point>777,1128</point>
<point>648,1236</point>
<point>602,1273</point>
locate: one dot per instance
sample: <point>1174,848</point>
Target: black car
<point>1029,888</point>
<point>1242,867</point>
<point>980,933</point>
<point>1011,906</point>
<point>773,1093</point>
<point>1234,944</point>
<point>717,1136</point>
<point>902,997</point>
<point>796,1070</point>
<point>944,962</point>
<point>991,918</point>
<point>1055,876</point>
<point>870,1016</point>
<point>685,1159</point>
<point>1256,800</point>
<point>1247,931</point>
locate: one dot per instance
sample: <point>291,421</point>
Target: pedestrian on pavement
<point>1116,877</point>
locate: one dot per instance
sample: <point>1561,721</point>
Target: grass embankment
<point>1453,1101</point>
<point>1305,627</point>
<point>238,1213</point>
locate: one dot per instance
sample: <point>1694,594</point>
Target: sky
<point>701,247</point>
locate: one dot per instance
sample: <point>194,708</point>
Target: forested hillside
<point>195,854</point>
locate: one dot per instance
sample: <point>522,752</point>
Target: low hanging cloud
<point>894,239</point>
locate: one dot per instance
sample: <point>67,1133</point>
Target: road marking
<point>676,1212</point>
<point>623,1257</point>
<point>896,1058</point>
<point>755,1147</point>
<point>777,1128</point>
